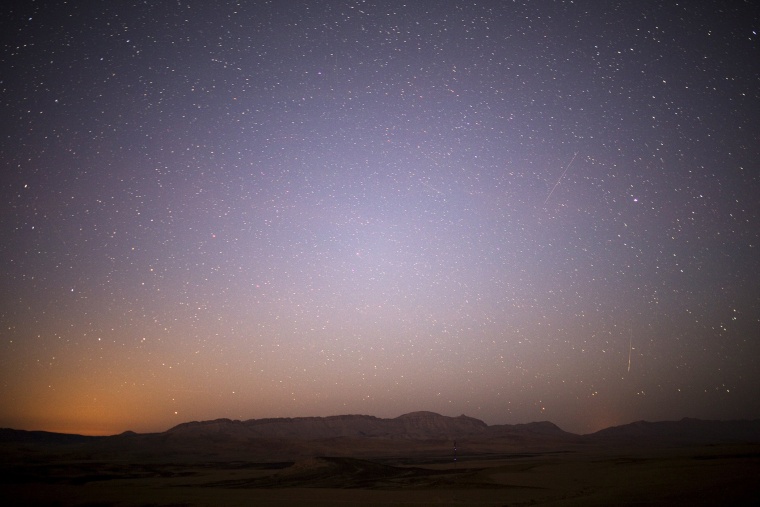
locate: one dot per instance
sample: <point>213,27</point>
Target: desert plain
<point>515,469</point>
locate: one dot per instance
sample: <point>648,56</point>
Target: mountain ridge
<point>414,425</point>
<point>419,425</point>
<point>685,430</point>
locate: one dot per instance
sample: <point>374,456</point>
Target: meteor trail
<point>560,178</point>
<point>630,343</point>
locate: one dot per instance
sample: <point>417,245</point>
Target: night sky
<point>518,211</point>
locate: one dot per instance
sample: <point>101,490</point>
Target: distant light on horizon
<point>288,211</point>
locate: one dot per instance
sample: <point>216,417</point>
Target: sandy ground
<point>715,475</point>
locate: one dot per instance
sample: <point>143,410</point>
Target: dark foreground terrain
<point>706,475</point>
<point>421,458</point>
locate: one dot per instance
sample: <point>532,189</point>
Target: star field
<point>519,211</point>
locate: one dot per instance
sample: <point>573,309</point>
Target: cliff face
<point>412,426</point>
<point>416,425</point>
<point>414,434</point>
<point>429,425</point>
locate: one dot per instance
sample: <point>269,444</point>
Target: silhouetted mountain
<point>416,433</point>
<point>415,425</point>
<point>432,425</point>
<point>543,432</point>
<point>412,426</point>
<point>42,437</point>
<point>685,431</point>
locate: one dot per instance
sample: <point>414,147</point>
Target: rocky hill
<point>415,425</point>
<point>685,431</point>
<point>414,434</point>
<point>412,426</point>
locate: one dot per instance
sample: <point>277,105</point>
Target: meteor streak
<point>560,178</point>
